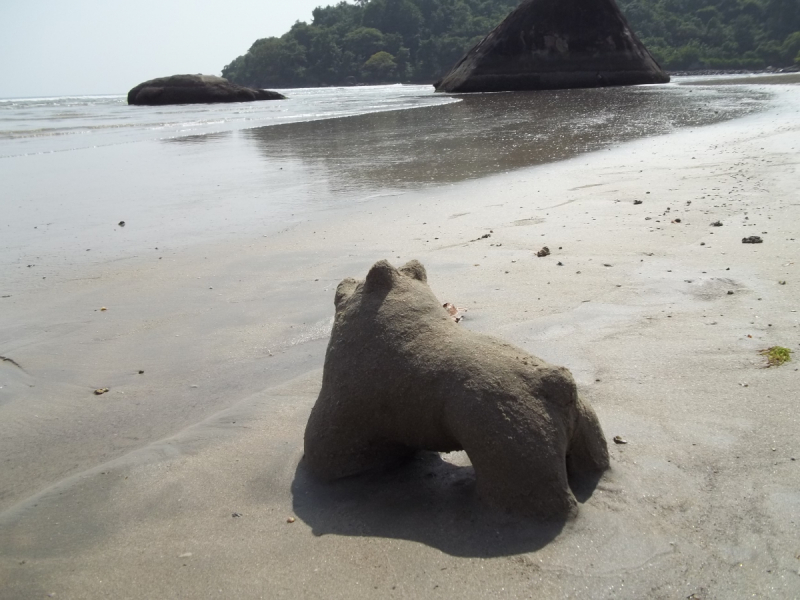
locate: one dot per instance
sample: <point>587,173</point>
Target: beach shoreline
<point>639,309</point>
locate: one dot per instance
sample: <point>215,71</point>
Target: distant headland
<point>419,41</point>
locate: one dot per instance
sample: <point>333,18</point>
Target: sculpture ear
<point>344,290</point>
<point>380,276</point>
<point>414,268</point>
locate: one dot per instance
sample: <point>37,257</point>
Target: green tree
<point>791,46</point>
<point>424,38</point>
<point>393,16</point>
<point>324,58</point>
<point>380,67</point>
<point>364,42</point>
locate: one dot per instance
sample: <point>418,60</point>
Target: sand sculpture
<point>400,376</point>
<point>195,89</point>
<point>554,44</point>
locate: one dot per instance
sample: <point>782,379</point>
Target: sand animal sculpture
<point>401,376</point>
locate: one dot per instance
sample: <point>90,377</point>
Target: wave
<point>45,124</point>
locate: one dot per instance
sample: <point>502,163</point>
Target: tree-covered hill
<point>419,40</point>
<point>719,34</point>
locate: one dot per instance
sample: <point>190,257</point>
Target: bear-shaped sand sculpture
<point>401,376</point>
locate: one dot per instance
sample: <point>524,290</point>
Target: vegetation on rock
<point>420,40</point>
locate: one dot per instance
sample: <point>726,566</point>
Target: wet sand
<point>762,79</point>
<point>190,202</point>
<point>703,499</point>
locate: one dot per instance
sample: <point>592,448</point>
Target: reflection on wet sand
<point>487,134</point>
<point>201,138</point>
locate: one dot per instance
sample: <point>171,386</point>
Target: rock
<point>545,251</point>
<point>195,89</point>
<point>753,239</point>
<point>716,224</point>
<point>555,44</point>
<point>401,376</point>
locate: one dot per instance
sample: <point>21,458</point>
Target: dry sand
<point>702,502</point>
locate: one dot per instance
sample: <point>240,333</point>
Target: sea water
<point>68,123</point>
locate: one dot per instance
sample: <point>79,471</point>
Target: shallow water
<point>73,168</point>
<point>486,134</point>
<point>59,124</point>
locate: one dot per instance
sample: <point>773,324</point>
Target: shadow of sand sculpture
<point>427,500</point>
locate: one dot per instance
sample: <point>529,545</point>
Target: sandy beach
<point>659,316</point>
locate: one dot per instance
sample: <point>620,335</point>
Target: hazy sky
<point>58,47</point>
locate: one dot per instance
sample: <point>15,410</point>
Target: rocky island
<point>195,89</point>
<point>554,44</point>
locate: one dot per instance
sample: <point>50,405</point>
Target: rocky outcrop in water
<point>554,44</point>
<point>401,376</point>
<point>195,89</point>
